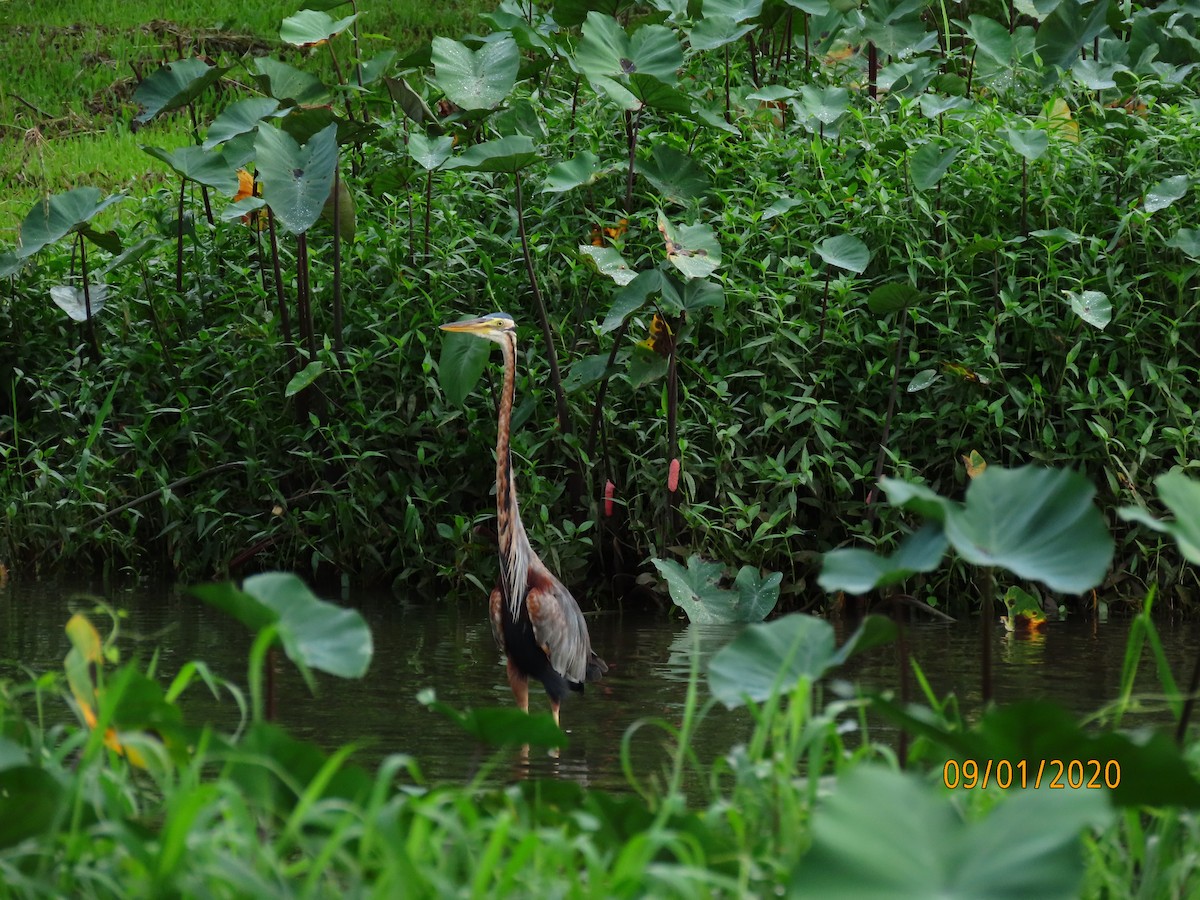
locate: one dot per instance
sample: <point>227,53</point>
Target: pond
<point>446,644</point>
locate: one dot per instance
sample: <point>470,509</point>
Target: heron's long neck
<point>514,546</point>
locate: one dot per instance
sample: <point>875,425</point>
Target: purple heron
<point>535,620</point>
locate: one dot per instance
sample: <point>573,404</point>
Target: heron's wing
<point>495,602</point>
<point>558,625</point>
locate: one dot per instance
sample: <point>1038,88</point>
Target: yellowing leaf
<point>975,463</point>
<point>1056,118</point>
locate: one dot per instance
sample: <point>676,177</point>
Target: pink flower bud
<point>609,490</point>
<point>673,476</point>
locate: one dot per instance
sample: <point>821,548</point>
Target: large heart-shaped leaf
<point>674,175</point>
<point>858,571</point>
<point>772,657</point>
<point>579,171</point>
<point>72,301</point>
<point>845,251</point>
<point>827,104</point>
<point>1182,497</point>
<point>296,180</point>
<point>314,634</point>
<point>692,249</point>
<point>430,154</point>
<point>716,31</point>
<point>287,83</point>
<point>884,834</point>
<point>239,118</point>
<point>929,163</point>
<point>1166,192</point>
<point>309,26</point>
<point>29,801</point>
<point>609,262</point>
<point>194,163</point>
<point>1036,523</point>
<point>607,51</point>
<point>506,154</point>
<point>1030,144</point>
<point>59,215</point>
<point>696,590</point>
<point>461,365</point>
<point>1093,307</point>
<point>174,85</point>
<point>478,79</point>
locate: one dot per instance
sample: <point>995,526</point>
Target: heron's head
<point>493,326</point>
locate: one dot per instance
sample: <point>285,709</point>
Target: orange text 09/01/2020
<point>1055,774</point>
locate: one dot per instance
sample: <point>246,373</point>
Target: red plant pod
<point>609,490</point>
<point>673,476</point>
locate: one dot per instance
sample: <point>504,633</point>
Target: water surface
<point>446,644</point>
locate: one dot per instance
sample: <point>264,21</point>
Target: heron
<point>535,620</point>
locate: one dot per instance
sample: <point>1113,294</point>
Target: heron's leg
<point>554,707</point>
<point>520,687</point>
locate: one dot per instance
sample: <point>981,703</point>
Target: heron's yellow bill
<point>482,325</point>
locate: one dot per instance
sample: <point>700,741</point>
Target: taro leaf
<point>715,31</point>
<point>770,657</point>
<point>922,380</point>
<point>1181,495</point>
<point>700,293</point>
<point>1186,240</point>
<point>579,171</point>
<point>284,82</point>
<point>781,206</point>
<point>1030,144</point>
<point>846,252</point>
<point>506,154</point>
<point>916,498</point>
<point>241,208</point>
<point>239,118</point>
<point>738,10</point>
<point>309,27</point>
<point>296,180</point>
<point>174,85</point>
<point>858,571</point>
<point>430,154</point>
<point>658,95</point>
<point>933,106</point>
<point>1096,76</point>
<point>692,249</point>
<point>609,262</point>
<point>59,215</point>
<point>770,93</point>
<point>304,378</point>
<point>461,365</point>
<point>1093,307</point>
<point>413,104</point>
<point>887,834</point>
<point>812,7</point>
<point>674,175</point>
<point>373,68</point>
<point>826,105</point>
<point>1165,193</point>
<point>757,596</point>
<point>71,300</point>
<point>631,298</point>
<point>521,116</point>
<point>890,298</point>
<point>1036,523</point>
<point>644,366</point>
<point>501,727</point>
<point>929,163</point>
<point>607,51</point>
<point>1056,118</point>
<point>697,592</point>
<point>475,80</point>
<point>29,802</point>
<point>585,372</point>
<point>193,163</point>
<point>314,634</point>
<point>1066,31</point>
<point>10,264</point>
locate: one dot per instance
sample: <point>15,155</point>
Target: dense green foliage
<point>1009,240</point>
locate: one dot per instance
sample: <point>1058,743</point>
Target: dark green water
<point>446,644</point>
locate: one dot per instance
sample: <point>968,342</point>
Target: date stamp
<point>1055,774</point>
